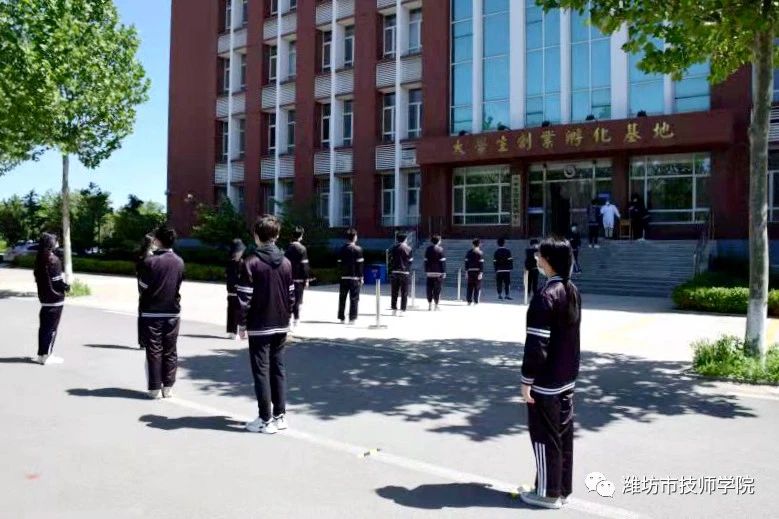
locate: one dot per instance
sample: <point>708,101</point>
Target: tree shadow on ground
<point>213,423</point>
<point>113,347</point>
<point>450,495</point>
<point>436,380</point>
<point>5,294</point>
<point>110,392</point>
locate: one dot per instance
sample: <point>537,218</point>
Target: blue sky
<point>140,166</point>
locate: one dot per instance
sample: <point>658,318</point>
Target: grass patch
<point>718,293</point>
<point>79,289</point>
<point>728,358</point>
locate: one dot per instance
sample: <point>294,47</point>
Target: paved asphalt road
<point>81,440</point>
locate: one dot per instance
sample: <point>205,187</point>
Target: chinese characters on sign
<point>574,138</point>
<point>516,200</point>
<point>688,485</point>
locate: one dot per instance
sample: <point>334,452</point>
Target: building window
<point>647,91</point>
<point>412,200</point>
<point>323,199</point>
<point>293,4</point>
<point>228,14</point>
<point>325,125</point>
<point>274,6</point>
<point>390,28</point>
<point>481,196</point>
<point>388,118</point>
<point>225,76</point>
<point>287,192</point>
<point>271,133</point>
<point>461,103</point>
<point>292,60</point>
<point>245,12</point>
<point>348,122</point>
<point>273,58</point>
<point>243,71</point>
<point>415,113</point>
<point>542,39</point>
<point>496,81</point>
<point>327,43</point>
<point>590,70</point>
<point>290,131</point>
<point>347,198</point>
<point>241,138</point>
<point>674,187</point>
<point>224,129</point>
<point>415,32</point>
<point>387,200</point>
<point>773,187</point>
<point>349,46</point>
<point>776,85</point>
<point>692,92</point>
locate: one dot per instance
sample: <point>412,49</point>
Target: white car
<point>20,249</point>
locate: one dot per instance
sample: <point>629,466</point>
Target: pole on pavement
<point>459,283</point>
<point>414,289</point>
<point>378,324</point>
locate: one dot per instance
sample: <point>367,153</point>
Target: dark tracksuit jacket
<point>400,267</point>
<point>297,254</point>
<point>352,265</point>
<point>504,264</point>
<point>531,265</point>
<point>233,274</point>
<point>160,305</point>
<point>435,270</point>
<point>550,365</point>
<point>51,294</point>
<point>474,266</point>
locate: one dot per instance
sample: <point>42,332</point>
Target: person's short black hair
<point>267,228</point>
<point>401,237</point>
<point>297,233</point>
<point>351,234</point>
<point>534,241</point>
<point>237,248</point>
<point>476,242</point>
<point>559,254</point>
<point>436,239</point>
<point>501,242</point>
<point>166,236</point>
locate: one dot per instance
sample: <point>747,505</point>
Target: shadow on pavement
<point>110,392</point>
<point>17,360</point>
<point>479,378</point>
<point>5,294</point>
<point>214,423</point>
<point>204,336</point>
<point>113,347</point>
<point>450,495</point>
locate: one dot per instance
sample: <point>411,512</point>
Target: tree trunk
<point>68,257</point>
<point>762,84</point>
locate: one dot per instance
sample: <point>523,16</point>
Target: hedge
<point>728,358</point>
<point>700,295</point>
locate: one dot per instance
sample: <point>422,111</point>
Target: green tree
<point>85,62</point>
<point>131,222</point>
<point>93,208</point>
<point>12,227</point>
<point>220,225</point>
<point>729,34</point>
<point>32,216</point>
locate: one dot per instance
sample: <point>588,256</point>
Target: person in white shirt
<point>610,214</point>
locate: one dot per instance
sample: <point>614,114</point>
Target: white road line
<point>580,505</point>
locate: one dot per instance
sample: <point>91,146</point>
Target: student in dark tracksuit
<point>531,267</point>
<point>435,271</point>
<point>351,264</point>
<point>504,264</point>
<point>400,272</point>
<point>267,295</point>
<point>233,274</point>
<point>160,303</point>
<point>593,223</point>
<point>550,367</point>
<point>474,266</point>
<point>51,294</point>
<point>144,251</point>
<point>301,271</point>
<point>575,239</point>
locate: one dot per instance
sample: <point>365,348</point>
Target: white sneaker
<point>564,500</point>
<point>437,309</point>
<point>281,422</point>
<point>429,307</point>
<point>167,392</point>
<point>261,426</point>
<point>350,323</point>
<point>296,323</point>
<point>531,498</point>
<point>231,336</point>
<point>48,360</point>
<point>394,313</point>
<point>401,314</point>
<point>155,394</point>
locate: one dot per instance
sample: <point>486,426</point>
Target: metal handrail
<point>705,234</point>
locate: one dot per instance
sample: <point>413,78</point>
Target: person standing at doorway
<point>474,266</point>
<point>593,223</point>
<point>575,239</point>
<point>639,217</point>
<point>531,268</point>
<point>297,254</point>
<point>351,263</point>
<point>52,288</point>
<point>233,274</point>
<point>610,215</point>
<point>400,272</point>
<point>504,264</point>
<point>435,271</point>
<point>550,367</point>
<point>267,295</point>
<point>160,284</point>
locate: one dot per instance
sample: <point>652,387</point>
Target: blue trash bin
<point>375,271</point>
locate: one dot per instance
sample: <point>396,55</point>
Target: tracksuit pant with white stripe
<point>550,422</point>
<point>47,329</point>
<point>399,283</point>
<point>266,355</point>
<point>350,288</point>
<point>300,287</point>
<point>474,287</point>
<point>159,336</point>
<point>504,282</point>
<point>434,285</point>
<point>233,312</point>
